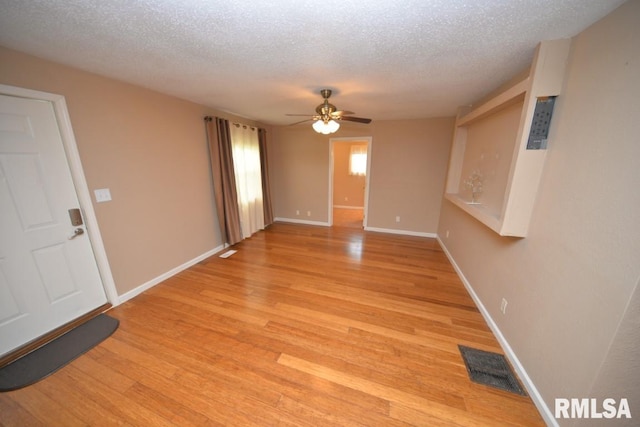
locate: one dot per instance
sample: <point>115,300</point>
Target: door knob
<point>77,232</point>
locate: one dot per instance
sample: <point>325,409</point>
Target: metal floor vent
<point>228,253</point>
<point>491,369</point>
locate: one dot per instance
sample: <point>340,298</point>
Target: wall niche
<point>499,146</point>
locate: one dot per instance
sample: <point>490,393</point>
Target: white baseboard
<point>379,230</point>
<point>545,411</point>
<point>151,283</point>
<point>357,208</point>
<point>301,221</point>
<point>403,232</point>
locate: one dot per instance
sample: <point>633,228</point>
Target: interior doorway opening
<point>349,181</point>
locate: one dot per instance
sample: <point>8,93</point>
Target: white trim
<point>79,180</point>
<point>301,221</point>
<point>402,232</point>
<point>151,283</point>
<point>332,141</point>
<point>375,229</point>
<point>535,395</point>
<point>357,208</point>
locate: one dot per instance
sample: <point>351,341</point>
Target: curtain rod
<point>236,124</point>
<point>243,125</point>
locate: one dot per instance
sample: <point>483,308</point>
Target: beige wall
<point>348,190</point>
<point>408,168</point>
<point>150,150</point>
<point>299,173</point>
<point>569,284</point>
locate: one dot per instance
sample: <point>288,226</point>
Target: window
<point>245,146</point>
<point>358,160</point>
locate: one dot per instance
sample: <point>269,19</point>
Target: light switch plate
<point>102,195</point>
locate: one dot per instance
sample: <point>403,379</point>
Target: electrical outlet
<point>398,218</point>
<point>308,213</point>
<point>503,306</point>
<point>447,234</point>
<point>297,212</point>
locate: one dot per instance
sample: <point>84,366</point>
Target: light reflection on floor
<point>355,247</point>
<point>350,218</point>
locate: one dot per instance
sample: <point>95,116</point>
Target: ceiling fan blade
<point>302,121</point>
<point>305,115</point>
<point>342,113</point>
<point>355,119</point>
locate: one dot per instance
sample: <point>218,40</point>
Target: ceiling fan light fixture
<point>327,127</point>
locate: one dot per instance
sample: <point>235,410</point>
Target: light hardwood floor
<point>352,218</point>
<point>303,326</point>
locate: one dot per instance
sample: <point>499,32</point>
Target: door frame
<point>332,142</point>
<point>79,181</point>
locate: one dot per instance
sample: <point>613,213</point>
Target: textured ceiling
<point>260,59</point>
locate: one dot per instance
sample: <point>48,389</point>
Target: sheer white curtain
<point>358,160</point>
<point>246,160</point>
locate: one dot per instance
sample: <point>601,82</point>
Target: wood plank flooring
<point>303,326</point>
<point>344,217</point>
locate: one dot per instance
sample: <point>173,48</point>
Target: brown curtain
<point>224,182</point>
<point>266,192</point>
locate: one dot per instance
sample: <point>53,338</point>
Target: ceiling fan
<point>327,116</point>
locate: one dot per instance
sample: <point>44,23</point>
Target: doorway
<point>53,267</point>
<point>349,172</point>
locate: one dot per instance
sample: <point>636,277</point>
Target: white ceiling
<point>260,59</point>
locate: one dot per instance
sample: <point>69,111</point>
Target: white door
<point>46,278</point>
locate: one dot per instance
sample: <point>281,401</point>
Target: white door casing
<point>46,279</point>
<point>332,142</point>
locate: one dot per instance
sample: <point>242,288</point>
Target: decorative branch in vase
<point>474,183</point>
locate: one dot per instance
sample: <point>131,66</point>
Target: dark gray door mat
<point>54,355</point>
<point>490,369</point>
